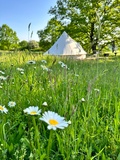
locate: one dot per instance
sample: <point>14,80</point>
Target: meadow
<point>86,93</point>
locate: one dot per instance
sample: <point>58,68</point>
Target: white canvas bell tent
<point>66,46</point>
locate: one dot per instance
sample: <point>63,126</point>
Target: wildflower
<point>60,62</point>
<point>45,104</point>
<point>3,109</point>
<point>22,72</point>
<point>3,78</point>
<point>45,68</point>
<point>2,72</point>
<point>31,62</point>
<point>69,122</point>
<point>54,121</point>
<point>32,110</point>
<point>96,90</point>
<point>64,65</point>
<point>83,99</point>
<point>11,104</point>
<point>20,69</point>
<point>43,61</point>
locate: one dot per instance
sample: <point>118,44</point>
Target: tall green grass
<point>95,122</point>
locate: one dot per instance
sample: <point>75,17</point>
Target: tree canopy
<point>93,24</point>
<point>33,44</point>
<point>8,38</point>
<point>49,35</point>
<point>23,45</point>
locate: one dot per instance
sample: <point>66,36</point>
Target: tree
<point>23,45</point>
<point>49,35</point>
<point>33,44</point>
<point>96,23</point>
<point>8,38</point>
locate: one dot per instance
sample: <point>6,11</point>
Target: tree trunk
<point>92,39</point>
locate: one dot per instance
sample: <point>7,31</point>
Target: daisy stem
<point>37,137</point>
<point>3,132</point>
<point>49,144</point>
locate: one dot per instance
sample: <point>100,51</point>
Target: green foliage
<point>33,44</point>
<point>23,45</point>
<point>92,24</point>
<point>49,35</point>
<point>8,38</point>
<point>94,130</point>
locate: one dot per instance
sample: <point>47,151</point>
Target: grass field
<point>86,93</point>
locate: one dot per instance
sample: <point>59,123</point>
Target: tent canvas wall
<point>66,46</point>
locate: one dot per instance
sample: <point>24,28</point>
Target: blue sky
<point>17,14</point>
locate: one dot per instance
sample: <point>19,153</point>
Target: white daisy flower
<point>54,121</point>
<point>45,104</point>
<point>22,72</point>
<point>3,109</point>
<point>43,61</point>
<point>60,62</point>
<point>64,65</point>
<point>20,69</point>
<point>32,110</point>
<point>96,90</point>
<point>45,68</point>
<point>83,99</point>
<point>12,104</point>
<point>31,62</point>
<point>3,78</point>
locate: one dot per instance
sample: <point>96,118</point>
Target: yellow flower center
<point>53,122</point>
<point>33,113</point>
<point>1,108</point>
